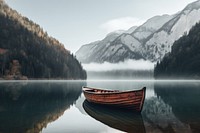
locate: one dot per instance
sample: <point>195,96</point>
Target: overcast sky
<point>78,22</point>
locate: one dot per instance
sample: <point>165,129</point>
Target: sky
<point>78,22</point>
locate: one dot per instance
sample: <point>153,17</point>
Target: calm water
<point>59,107</point>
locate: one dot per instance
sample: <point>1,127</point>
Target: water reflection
<point>169,106</point>
<point>184,100</point>
<point>124,120</point>
<point>29,107</point>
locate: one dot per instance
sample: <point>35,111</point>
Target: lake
<point>59,106</point>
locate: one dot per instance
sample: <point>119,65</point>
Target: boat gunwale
<point>111,91</point>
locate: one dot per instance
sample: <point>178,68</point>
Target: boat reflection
<point>124,120</point>
<point>29,107</point>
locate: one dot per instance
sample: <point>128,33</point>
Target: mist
<point>130,69</point>
<point>126,65</point>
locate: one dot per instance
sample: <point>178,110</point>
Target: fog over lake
<point>130,69</point>
<point>126,65</point>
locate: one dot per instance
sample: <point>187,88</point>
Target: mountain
<point>150,41</point>
<point>130,30</point>
<point>150,26</point>
<point>97,51</point>
<point>184,59</point>
<point>160,43</point>
<point>134,41</point>
<point>127,45</point>
<point>26,51</point>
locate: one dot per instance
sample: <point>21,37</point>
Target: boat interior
<point>101,91</point>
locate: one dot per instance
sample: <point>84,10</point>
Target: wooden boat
<point>121,119</point>
<point>122,99</point>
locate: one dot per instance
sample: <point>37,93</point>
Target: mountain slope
<point>150,41</point>
<point>25,49</point>
<point>127,45</point>
<point>184,59</point>
<point>160,43</point>
<point>101,51</point>
<point>151,26</point>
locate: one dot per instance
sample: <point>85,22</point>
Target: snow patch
<point>161,42</point>
<point>151,26</point>
<point>131,42</point>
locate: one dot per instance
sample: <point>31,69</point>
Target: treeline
<point>184,59</point>
<point>39,55</point>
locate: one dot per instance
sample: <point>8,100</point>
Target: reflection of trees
<point>30,107</point>
<point>124,120</point>
<point>184,98</point>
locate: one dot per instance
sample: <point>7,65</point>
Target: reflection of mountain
<point>158,117</point>
<point>30,107</point>
<point>123,120</point>
<point>184,100</point>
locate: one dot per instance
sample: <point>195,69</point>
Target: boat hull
<point>122,99</point>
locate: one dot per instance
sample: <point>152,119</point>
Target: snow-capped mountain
<point>131,30</point>
<point>159,43</point>
<point>120,45</point>
<point>150,41</point>
<point>93,52</point>
<point>150,26</point>
<point>134,40</point>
